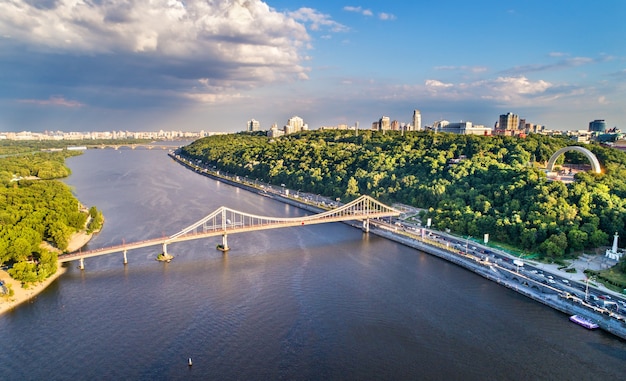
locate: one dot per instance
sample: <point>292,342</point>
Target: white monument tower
<point>613,252</point>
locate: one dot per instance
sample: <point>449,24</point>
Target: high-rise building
<point>598,125</point>
<point>253,125</point>
<point>509,122</point>
<point>384,123</point>
<point>295,124</point>
<point>417,120</point>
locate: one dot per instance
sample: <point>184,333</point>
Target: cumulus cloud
<point>501,88</point>
<point>234,43</point>
<point>517,86</point>
<point>435,84</point>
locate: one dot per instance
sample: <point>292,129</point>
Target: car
<point>565,281</point>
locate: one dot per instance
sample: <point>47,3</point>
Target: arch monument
<point>595,164</point>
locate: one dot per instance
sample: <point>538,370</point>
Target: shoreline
<point>21,294</point>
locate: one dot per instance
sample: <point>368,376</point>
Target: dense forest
<point>35,208</point>
<point>469,184</point>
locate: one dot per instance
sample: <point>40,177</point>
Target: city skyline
<point>196,65</point>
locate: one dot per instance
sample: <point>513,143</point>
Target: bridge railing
<point>225,219</point>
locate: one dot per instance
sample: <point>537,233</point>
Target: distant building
<point>509,124</point>
<point>295,124</point>
<point>253,125</point>
<point>417,120</point>
<point>598,125</point>
<point>462,128</point>
<point>274,132</point>
<point>384,123</point>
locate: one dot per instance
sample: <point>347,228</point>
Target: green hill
<point>469,184</point>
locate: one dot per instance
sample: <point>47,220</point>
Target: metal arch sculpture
<point>595,164</point>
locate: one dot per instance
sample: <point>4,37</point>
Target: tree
<point>352,190</point>
<point>577,239</point>
<point>555,245</point>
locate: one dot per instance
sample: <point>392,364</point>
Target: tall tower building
<point>509,122</point>
<point>384,123</point>
<point>598,125</point>
<point>296,123</point>
<point>417,120</point>
<point>253,125</point>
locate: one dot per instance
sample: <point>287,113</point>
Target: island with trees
<point>39,215</point>
<point>469,185</point>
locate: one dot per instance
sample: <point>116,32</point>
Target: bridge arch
<point>595,164</point>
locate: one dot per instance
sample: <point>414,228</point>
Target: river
<point>305,303</point>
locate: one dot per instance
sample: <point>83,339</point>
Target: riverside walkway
<point>224,221</point>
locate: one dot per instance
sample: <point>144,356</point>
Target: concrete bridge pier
<point>224,246</point>
<point>125,258</point>
<point>81,263</point>
<point>366,225</point>
<point>165,249</point>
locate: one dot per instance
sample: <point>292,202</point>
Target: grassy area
<point>510,249</point>
<point>612,278</point>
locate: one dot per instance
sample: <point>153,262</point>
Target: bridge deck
<point>232,228</point>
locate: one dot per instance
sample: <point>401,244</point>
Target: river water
<point>305,303</point>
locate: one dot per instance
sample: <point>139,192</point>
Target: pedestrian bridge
<point>226,221</point>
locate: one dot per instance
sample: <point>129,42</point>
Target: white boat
<point>189,362</point>
<point>583,321</point>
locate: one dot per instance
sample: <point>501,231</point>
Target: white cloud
<point>240,35</point>
<point>507,89</point>
<point>317,20</point>
<point>361,10</point>
<point>435,84</point>
<point>518,85</point>
<point>386,16</point>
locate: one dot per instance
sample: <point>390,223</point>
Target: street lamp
<point>467,243</point>
<point>587,288</point>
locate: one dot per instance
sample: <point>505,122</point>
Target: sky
<point>212,65</point>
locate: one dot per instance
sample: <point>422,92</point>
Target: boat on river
<point>583,322</point>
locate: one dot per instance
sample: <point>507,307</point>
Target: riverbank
<point>21,294</point>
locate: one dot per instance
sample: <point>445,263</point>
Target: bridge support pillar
<point>165,249</point>
<point>125,258</point>
<point>366,225</point>
<point>224,245</point>
<point>81,263</point>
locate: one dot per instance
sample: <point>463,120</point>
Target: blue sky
<point>140,65</point>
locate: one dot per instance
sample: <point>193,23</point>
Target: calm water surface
<point>305,303</point>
